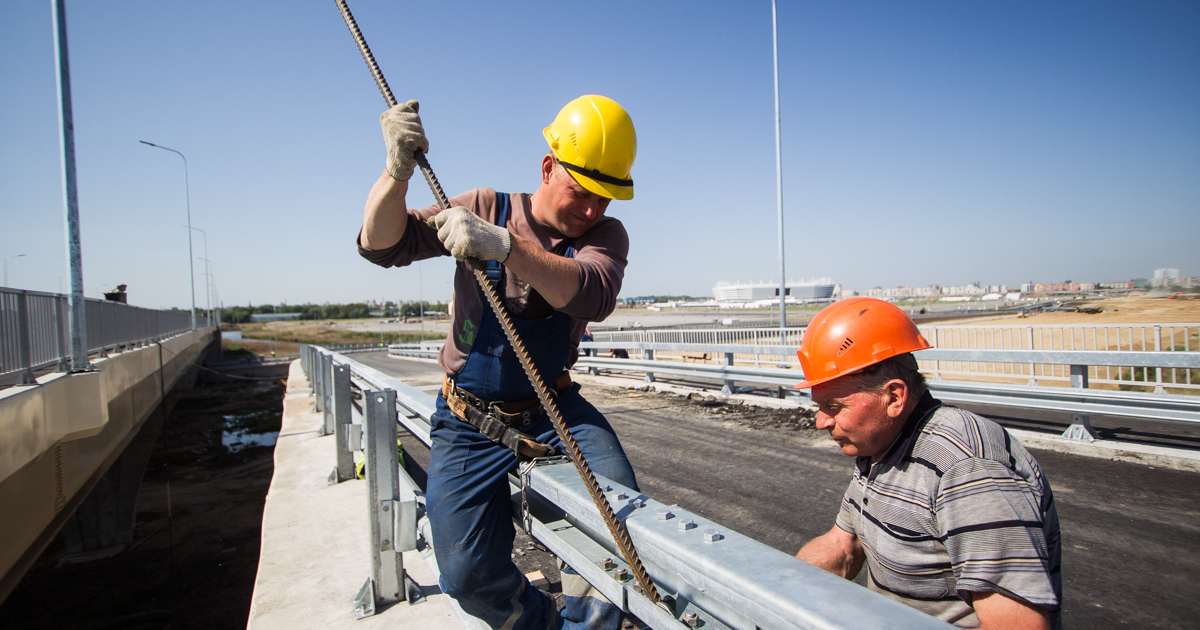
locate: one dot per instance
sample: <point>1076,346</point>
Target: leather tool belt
<point>501,422</point>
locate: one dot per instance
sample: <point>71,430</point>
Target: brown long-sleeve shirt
<point>601,255</point>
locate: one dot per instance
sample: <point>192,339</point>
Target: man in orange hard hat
<point>950,513</point>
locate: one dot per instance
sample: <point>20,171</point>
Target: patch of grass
<point>232,350</point>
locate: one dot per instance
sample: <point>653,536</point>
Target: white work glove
<point>403,134</point>
<point>468,236</point>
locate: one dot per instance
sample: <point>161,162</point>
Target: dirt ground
<point>195,548</point>
<point>1126,310</point>
<point>323,332</point>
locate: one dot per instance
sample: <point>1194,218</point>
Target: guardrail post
<point>388,583</point>
<point>1081,424</point>
<point>1032,368</point>
<point>649,355</point>
<point>1158,386</point>
<point>24,347</point>
<point>341,422</point>
<point>729,387</point>
<point>60,335</point>
<point>327,393</point>
<point>1079,376</point>
<point>318,385</point>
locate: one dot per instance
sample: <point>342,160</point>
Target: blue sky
<point>923,142</point>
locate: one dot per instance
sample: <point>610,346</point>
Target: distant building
<point>1169,273</point>
<point>1059,287</point>
<point>931,291</point>
<point>1177,282</point>
<point>818,289</point>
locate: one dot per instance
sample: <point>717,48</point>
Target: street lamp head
<point>149,143</point>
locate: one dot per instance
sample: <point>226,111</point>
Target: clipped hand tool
<point>615,526</point>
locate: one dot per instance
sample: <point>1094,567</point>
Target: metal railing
<point>34,332</point>
<point>719,362</point>
<point>717,577</point>
<point>1125,338</point>
<point>345,348</point>
<point>1078,364</point>
<point>1155,338</point>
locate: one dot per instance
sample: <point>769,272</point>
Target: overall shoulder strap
<point>493,266</point>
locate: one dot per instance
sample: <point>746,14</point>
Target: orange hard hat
<point>852,334</point>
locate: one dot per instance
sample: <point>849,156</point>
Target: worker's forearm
<point>1001,612</point>
<point>836,552</point>
<point>385,215</point>
<point>555,277</point>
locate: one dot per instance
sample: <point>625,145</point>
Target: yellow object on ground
<point>360,460</point>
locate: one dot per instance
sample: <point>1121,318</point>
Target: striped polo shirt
<point>955,506</point>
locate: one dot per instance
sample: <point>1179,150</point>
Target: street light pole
<point>208,285</point>
<point>6,266</point>
<point>779,184</point>
<point>77,316</point>
<point>188,196</point>
<point>208,278</point>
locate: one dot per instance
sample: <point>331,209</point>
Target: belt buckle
<point>494,412</point>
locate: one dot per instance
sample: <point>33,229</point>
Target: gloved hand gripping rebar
<point>615,526</point>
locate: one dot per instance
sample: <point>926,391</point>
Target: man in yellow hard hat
<point>949,512</point>
<point>559,263</point>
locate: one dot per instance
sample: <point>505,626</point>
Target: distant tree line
<point>241,314</point>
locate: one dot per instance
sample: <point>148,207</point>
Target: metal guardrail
<point>719,578</point>
<point>1149,338</point>
<point>1078,399</point>
<point>347,348</point>
<point>34,332</point>
<point>718,363</point>
<point>1132,339</point>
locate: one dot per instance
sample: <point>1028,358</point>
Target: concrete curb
<point>1144,454</point>
<point>315,538</point>
<point>635,383</point>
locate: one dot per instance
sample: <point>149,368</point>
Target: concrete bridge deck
<point>315,538</point>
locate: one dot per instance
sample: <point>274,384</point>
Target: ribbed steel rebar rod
<point>615,526</point>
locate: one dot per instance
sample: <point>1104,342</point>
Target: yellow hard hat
<point>593,138</point>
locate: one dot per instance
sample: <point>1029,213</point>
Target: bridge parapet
<point>34,333</point>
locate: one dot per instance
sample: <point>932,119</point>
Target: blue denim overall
<point>467,494</point>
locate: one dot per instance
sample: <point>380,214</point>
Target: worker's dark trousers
<point>468,494</point>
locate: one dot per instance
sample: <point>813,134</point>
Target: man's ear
<point>895,397</point>
<point>548,165</point>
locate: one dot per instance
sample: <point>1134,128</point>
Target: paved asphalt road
<point>1131,533</point>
